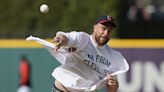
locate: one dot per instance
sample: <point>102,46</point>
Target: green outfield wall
<point>42,64</point>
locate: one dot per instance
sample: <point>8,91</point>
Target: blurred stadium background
<point>139,36</point>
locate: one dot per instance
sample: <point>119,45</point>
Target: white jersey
<point>86,68</point>
<point>89,64</point>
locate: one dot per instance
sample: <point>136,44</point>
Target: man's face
<point>101,33</point>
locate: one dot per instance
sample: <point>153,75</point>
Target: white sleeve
<point>76,39</point>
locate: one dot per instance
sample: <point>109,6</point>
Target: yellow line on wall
<point>19,43</point>
<point>114,43</point>
<point>137,43</point>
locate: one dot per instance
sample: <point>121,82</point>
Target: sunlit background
<point>139,36</point>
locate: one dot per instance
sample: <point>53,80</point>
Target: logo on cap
<point>109,18</point>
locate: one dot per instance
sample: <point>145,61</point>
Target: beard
<point>101,40</point>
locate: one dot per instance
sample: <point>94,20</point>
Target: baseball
<point>44,8</point>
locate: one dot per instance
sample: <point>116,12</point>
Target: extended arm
<point>71,39</point>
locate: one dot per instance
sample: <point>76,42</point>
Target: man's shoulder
<point>83,33</point>
<point>79,33</point>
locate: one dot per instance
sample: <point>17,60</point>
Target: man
<point>90,59</point>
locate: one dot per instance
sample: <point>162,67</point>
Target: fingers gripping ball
<point>44,8</point>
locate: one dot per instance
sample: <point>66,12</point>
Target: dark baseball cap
<point>107,20</point>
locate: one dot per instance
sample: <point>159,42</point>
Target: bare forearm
<point>112,89</point>
<point>112,84</point>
